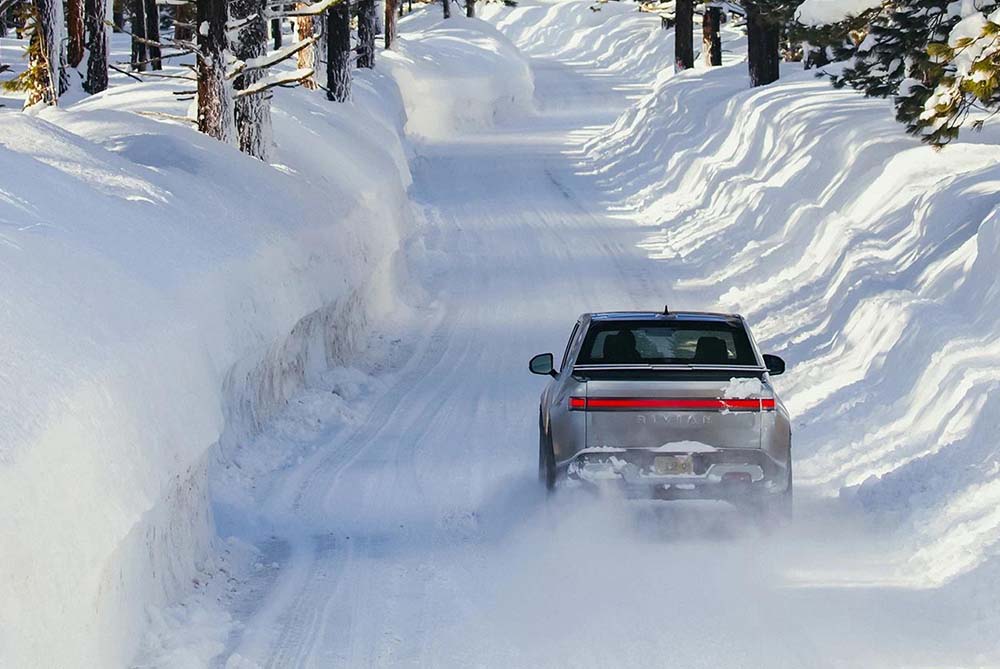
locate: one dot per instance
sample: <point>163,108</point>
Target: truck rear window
<point>668,343</point>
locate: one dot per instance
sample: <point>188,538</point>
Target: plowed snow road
<point>418,536</point>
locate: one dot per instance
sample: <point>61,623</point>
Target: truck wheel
<point>778,510</point>
<point>546,460</point>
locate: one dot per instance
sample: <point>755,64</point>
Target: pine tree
<point>74,31</point>
<point>215,104</point>
<point>305,25</point>
<point>97,46</point>
<point>684,34</point>
<point>895,51</point>
<point>390,22</point>
<point>45,78</point>
<point>137,27</point>
<point>252,113</point>
<point>276,35</point>
<point>152,16</point>
<point>711,40</point>
<point>338,52</point>
<point>184,21</point>
<point>764,24</point>
<point>968,81</point>
<point>367,28</point>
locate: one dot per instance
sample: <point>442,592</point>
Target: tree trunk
<point>711,42</point>
<point>215,103</point>
<point>252,113</point>
<point>390,22</point>
<point>763,42</point>
<point>47,60</point>
<point>74,30</point>
<point>276,36</point>
<point>684,35</point>
<point>97,45</point>
<point>446,6</point>
<point>470,8</point>
<point>153,34</point>
<point>338,52</point>
<point>184,22</point>
<point>138,29</point>
<point>118,15</point>
<point>306,57</point>
<point>366,33</point>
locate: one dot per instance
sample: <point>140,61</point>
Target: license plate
<point>673,465</point>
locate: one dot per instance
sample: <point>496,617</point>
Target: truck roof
<point>660,316</point>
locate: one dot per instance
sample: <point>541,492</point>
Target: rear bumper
<point>719,474</point>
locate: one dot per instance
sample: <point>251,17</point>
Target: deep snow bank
<point>457,75</point>
<point>146,269</point>
<point>163,294</point>
<point>865,258</point>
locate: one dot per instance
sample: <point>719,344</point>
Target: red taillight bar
<point>640,403</point>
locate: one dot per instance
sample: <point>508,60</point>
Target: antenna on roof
<point>666,310</point>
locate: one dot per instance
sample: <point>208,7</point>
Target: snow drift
<point>448,86</point>
<point>164,297</point>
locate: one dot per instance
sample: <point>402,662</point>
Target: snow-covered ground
<point>356,347</point>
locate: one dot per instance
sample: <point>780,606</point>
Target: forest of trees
<point>939,65</point>
<point>938,60</point>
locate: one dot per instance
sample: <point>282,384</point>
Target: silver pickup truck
<point>667,406</point>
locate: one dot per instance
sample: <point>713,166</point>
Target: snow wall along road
<point>164,296</point>
<point>865,258</point>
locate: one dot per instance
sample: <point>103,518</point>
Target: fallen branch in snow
<point>125,72</point>
<point>150,60</point>
<point>167,117</point>
<point>283,79</point>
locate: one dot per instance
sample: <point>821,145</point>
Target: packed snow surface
<point>270,416</point>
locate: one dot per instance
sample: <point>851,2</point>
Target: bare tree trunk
<point>338,52</point>
<point>276,36</point>
<point>307,57</point>
<point>252,113</point>
<point>390,22</point>
<point>215,104</point>
<point>49,58</point>
<point>153,33</point>
<point>97,45</point>
<point>366,33</point>
<point>184,21</point>
<point>470,8</point>
<point>138,30</point>
<point>763,43</point>
<point>74,30</point>
<point>711,42</point>
<point>118,15</point>
<point>684,35</point>
<point>446,6</point>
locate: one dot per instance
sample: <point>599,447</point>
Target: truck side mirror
<point>775,365</point>
<point>543,364</point>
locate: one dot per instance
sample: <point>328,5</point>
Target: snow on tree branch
<point>281,79</point>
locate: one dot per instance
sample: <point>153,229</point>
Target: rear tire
<point>779,510</point>
<point>546,459</point>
